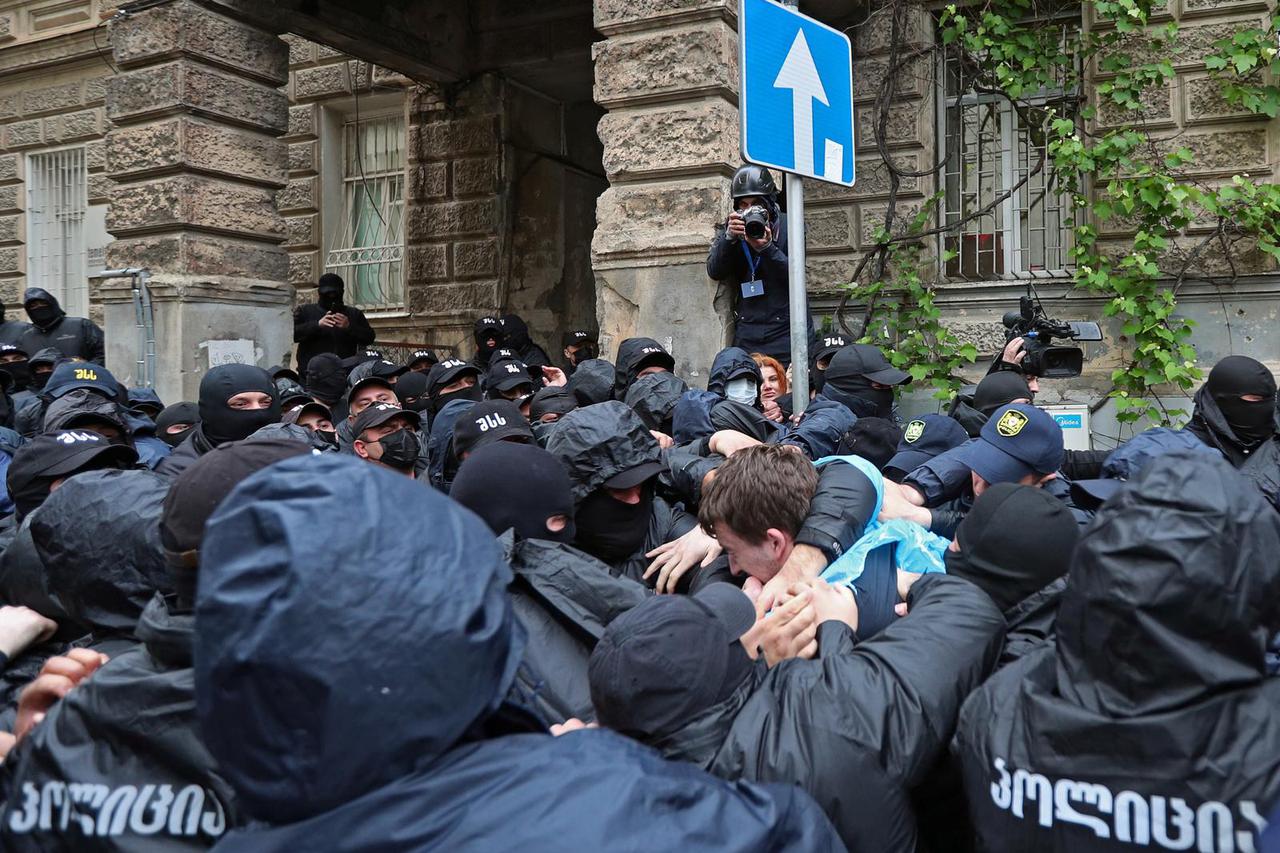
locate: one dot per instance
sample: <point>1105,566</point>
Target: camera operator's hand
<point>763,243</point>
<point>735,228</point>
<point>1014,351</point>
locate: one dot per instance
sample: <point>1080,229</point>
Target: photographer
<point>327,325</point>
<point>750,255</point>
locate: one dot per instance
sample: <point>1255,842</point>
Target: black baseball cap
<point>309,407</point>
<point>1016,441</point>
<point>490,327</point>
<point>379,413</point>
<point>865,361</point>
<point>447,372</point>
<point>487,422</point>
<point>828,345</point>
<point>578,337</point>
<point>669,658</point>
<point>924,438</point>
<point>506,374</point>
<point>57,454</point>
<point>426,355</point>
<point>279,370</point>
<point>552,399</point>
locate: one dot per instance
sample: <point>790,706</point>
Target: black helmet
<point>753,180</point>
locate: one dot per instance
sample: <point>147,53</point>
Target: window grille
<point>57,201</point>
<point>370,252</point>
<point>991,147</point>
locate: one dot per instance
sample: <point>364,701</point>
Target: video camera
<point>1037,331</point>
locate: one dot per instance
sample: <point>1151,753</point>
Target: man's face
<point>174,429</point>
<point>249,401</point>
<point>11,357</point>
<point>1033,384</point>
<point>517,392</point>
<point>649,371</point>
<point>458,384</point>
<point>42,369</point>
<point>36,304</point>
<point>742,204</point>
<point>420,366</point>
<point>368,395</point>
<point>315,421</point>
<point>367,446</point>
<point>761,560</point>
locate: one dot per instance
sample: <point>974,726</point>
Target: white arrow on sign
<point>800,75</point>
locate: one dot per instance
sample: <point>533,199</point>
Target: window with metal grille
<point>57,202</point>
<point>370,251</point>
<point>993,146</point>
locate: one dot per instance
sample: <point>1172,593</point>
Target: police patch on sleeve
<point>1011,423</point>
<point>914,430</point>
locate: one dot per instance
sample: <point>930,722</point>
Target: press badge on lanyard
<point>754,287</point>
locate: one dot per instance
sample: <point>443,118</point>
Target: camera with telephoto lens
<point>756,219</point>
<point>1037,331</point>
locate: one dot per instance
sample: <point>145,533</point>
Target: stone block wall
<point>52,91</point>
<point>667,73</point>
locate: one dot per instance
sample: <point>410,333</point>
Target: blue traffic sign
<point>796,94</point>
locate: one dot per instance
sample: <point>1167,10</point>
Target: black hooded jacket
<point>564,599</point>
<point>122,756</point>
<point>313,339</point>
<point>862,723</point>
<point>436,760</point>
<point>1260,464</point>
<point>518,340</point>
<point>633,353</point>
<point>74,337</point>
<point>598,442</point>
<point>592,382</point>
<point>729,363</point>
<point>1150,719</point>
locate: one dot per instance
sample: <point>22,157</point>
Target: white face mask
<point>741,391</point>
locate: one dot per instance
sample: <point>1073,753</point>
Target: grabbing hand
<point>58,675</point>
<point>21,628</point>
<point>790,631</point>
<point>665,441</point>
<point>805,564</point>
<point>772,411</point>
<point>727,442</point>
<point>897,503</point>
<point>675,558</point>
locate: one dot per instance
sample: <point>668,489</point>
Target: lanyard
<point>752,263</point>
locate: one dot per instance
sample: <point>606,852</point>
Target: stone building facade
<point>566,161</point>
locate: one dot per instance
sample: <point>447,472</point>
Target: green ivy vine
<point>1124,179</point>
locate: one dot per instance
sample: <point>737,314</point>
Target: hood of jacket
<point>968,417</point>
<point>654,398</point>
<point>1210,424</point>
<point>33,293</point>
<point>302,721</point>
<point>595,443</point>
<point>733,363</point>
<point>1173,591</point>
<point>84,402</point>
<point>592,382</point>
<point>517,332</point>
<point>99,539</point>
<point>632,353</point>
<point>293,432</point>
<point>166,630</point>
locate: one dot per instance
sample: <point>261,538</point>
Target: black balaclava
<point>411,389</point>
<point>326,378</point>
<point>611,530</point>
<point>483,485</point>
<point>178,413</point>
<point>1235,376</point>
<point>471,392</point>
<point>517,332</point>
<point>999,389</point>
<point>857,395</point>
<point>486,328</point>
<point>329,292</point>
<point>1014,542</point>
<point>43,318</point>
<point>219,422</point>
<point>21,373</point>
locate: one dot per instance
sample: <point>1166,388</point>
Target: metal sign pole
<point>799,296</point>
